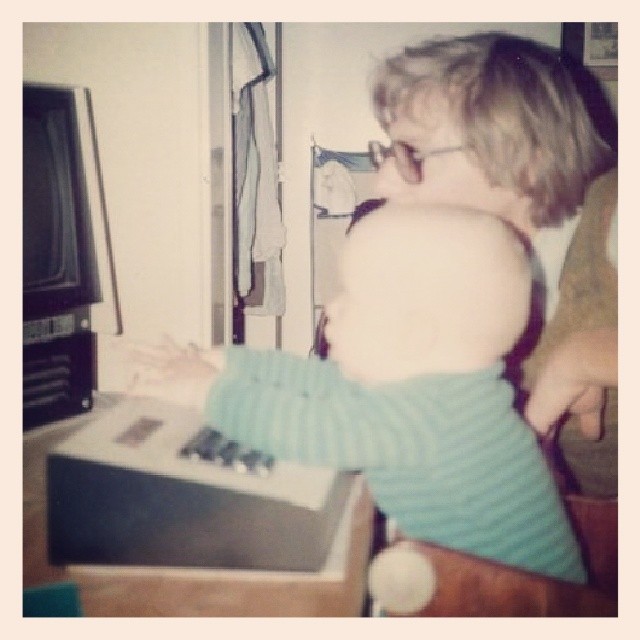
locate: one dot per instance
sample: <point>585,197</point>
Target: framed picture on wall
<point>600,44</point>
<point>593,45</point>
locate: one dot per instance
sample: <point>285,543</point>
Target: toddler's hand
<point>174,374</point>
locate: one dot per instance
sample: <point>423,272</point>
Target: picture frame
<point>600,44</point>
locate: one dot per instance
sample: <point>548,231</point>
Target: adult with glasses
<point>496,122</point>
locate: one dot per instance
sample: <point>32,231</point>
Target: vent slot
<point>46,381</point>
<point>57,379</point>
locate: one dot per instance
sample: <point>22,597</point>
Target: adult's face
<point>448,178</point>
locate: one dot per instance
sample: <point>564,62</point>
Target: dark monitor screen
<point>59,264</point>
<point>49,241</point>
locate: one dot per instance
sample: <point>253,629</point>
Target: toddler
<point>413,394</point>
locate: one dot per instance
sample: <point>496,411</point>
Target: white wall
<point>146,82</point>
<point>324,76</point>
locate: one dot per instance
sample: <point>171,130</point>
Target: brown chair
<point>466,585</point>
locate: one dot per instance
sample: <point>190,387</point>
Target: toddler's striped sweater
<point>445,455</point>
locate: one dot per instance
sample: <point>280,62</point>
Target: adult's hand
<point>573,380</point>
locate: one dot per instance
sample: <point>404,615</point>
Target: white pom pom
<point>402,580</point>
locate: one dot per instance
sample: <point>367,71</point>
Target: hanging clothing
<point>260,234</point>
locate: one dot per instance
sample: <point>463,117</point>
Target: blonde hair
<point>518,108</point>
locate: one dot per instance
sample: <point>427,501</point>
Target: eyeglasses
<point>408,159</point>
